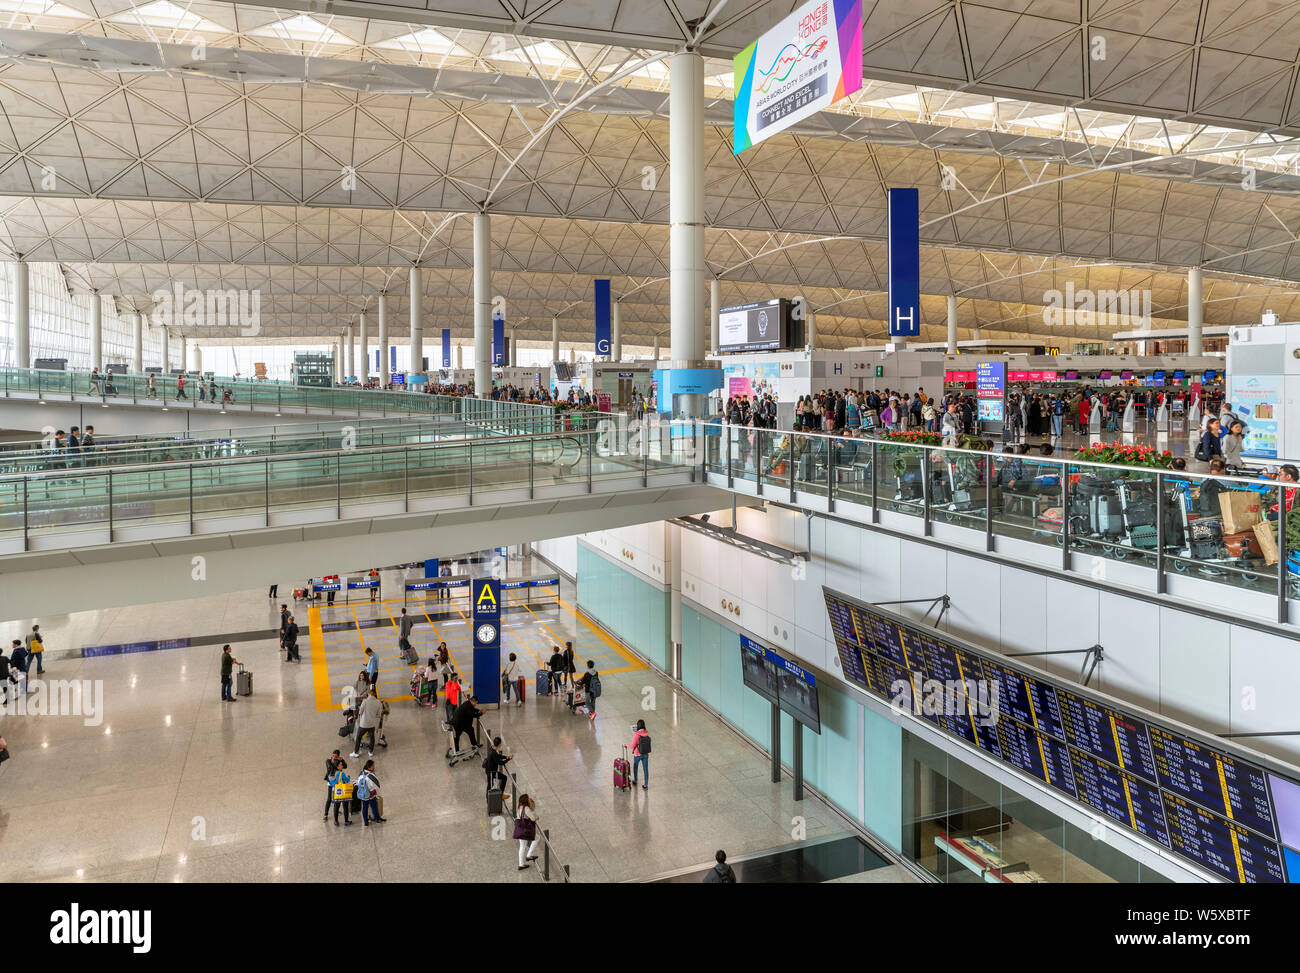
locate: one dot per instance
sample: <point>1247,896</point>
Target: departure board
<point>1216,809</point>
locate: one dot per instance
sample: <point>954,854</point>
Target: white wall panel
<point>1265,674</point>
<point>1129,632</point>
<point>1194,669</point>
<point>924,574</point>
<point>1071,624</point>
<point>976,598</point>
<point>1024,612</point>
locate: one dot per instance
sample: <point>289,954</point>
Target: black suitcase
<point>494,801</point>
<point>1105,515</point>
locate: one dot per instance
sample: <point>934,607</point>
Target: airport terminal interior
<point>680,442</point>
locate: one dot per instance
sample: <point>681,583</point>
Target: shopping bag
<point>1266,534</point>
<point>1241,510</point>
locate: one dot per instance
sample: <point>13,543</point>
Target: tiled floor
<point>174,785</point>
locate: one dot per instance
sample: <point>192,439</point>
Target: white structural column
<point>22,315</point>
<point>952,324</point>
<point>555,339</point>
<point>686,216</point>
<point>364,348</point>
<point>573,355</point>
<point>165,352</point>
<point>196,358</point>
<point>338,359</point>
<point>810,329</point>
<point>715,310</point>
<point>514,350</point>
<point>674,572</point>
<point>482,305</point>
<point>460,356</point>
<point>349,354</point>
<point>96,330</point>
<point>137,342</point>
<point>183,351</point>
<point>416,295</point>
<point>385,375</point>
<point>616,332</point>
<point>654,355</point>
<point>1195,311</point>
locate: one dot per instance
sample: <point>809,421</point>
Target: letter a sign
<point>487,640</point>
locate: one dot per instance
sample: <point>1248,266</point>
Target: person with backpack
<point>720,873</point>
<point>4,673</point>
<point>508,676</point>
<point>526,831</point>
<point>367,791</point>
<point>590,683</point>
<point>494,764</point>
<point>641,753</point>
<point>341,793</point>
<point>36,650</point>
<point>333,764</point>
<point>405,623</point>
<point>372,667</point>
<point>1209,447</point>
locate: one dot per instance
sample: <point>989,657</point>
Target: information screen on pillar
<point>756,327</point>
<point>780,681</point>
<point>1195,796</point>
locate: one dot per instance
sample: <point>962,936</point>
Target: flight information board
<point>1215,809</point>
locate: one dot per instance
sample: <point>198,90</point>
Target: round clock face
<point>486,632</point>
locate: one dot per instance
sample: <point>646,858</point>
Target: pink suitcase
<point>623,772</point>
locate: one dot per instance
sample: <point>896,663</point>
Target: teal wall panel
<point>627,606</point>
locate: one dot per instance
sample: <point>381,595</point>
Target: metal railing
<point>544,835</point>
<point>104,504</point>
<point>254,396</point>
<point>1157,518</point>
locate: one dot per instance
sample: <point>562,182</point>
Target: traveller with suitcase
<point>641,753</point>
<point>494,768</point>
<point>623,772</point>
<point>228,663</point>
<point>508,677</point>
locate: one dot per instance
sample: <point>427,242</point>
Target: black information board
<point>1213,808</point>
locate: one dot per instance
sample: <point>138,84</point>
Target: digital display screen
<point>780,681</point>
<point>1126,374</point>
<point>1213,808</point>
<point>1101,375</point>
<point>756,327</point>
<point>1071,376</point>
<point>758,673</point>
<point>1210,375</point>
<point>990,410</point>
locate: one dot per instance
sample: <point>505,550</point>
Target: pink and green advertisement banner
<point>808,61</point>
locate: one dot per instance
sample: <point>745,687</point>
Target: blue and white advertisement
<point>601,300</point>
<point>1257,401</point>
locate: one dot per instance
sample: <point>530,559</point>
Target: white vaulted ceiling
<point>145,143</point>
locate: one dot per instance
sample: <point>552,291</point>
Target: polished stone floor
<point>175,785</point>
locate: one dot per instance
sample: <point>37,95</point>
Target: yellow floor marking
<point>320,676</point>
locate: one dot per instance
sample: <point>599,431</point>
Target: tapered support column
<point>165,352</point>
<point>482,305</point>
<point>137,342</point>
<point>686,216</point>
<point>364,348</point>
<point>349,354</point>
<point>417,323</point>
<point>952,324</point>
<point>96,331</point>
<point>616,333</point>
<point>385,372</point>
<point>715,310</point>
<point>1195,312</point>
<point>555,339</point>
<point>22,315</point>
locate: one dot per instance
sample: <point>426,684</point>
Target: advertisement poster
<point>1256,399</point>
<point>753,327</point>
<point>752,379</point>
<point>808,61</point>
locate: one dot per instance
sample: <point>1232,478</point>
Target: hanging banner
<point>808,61</point>
<point>603,309</point>
<point>486,603</point>
<point>392,358</point>
<point>446,347</point>
<point>904,263</point>
<point>498,340</point>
